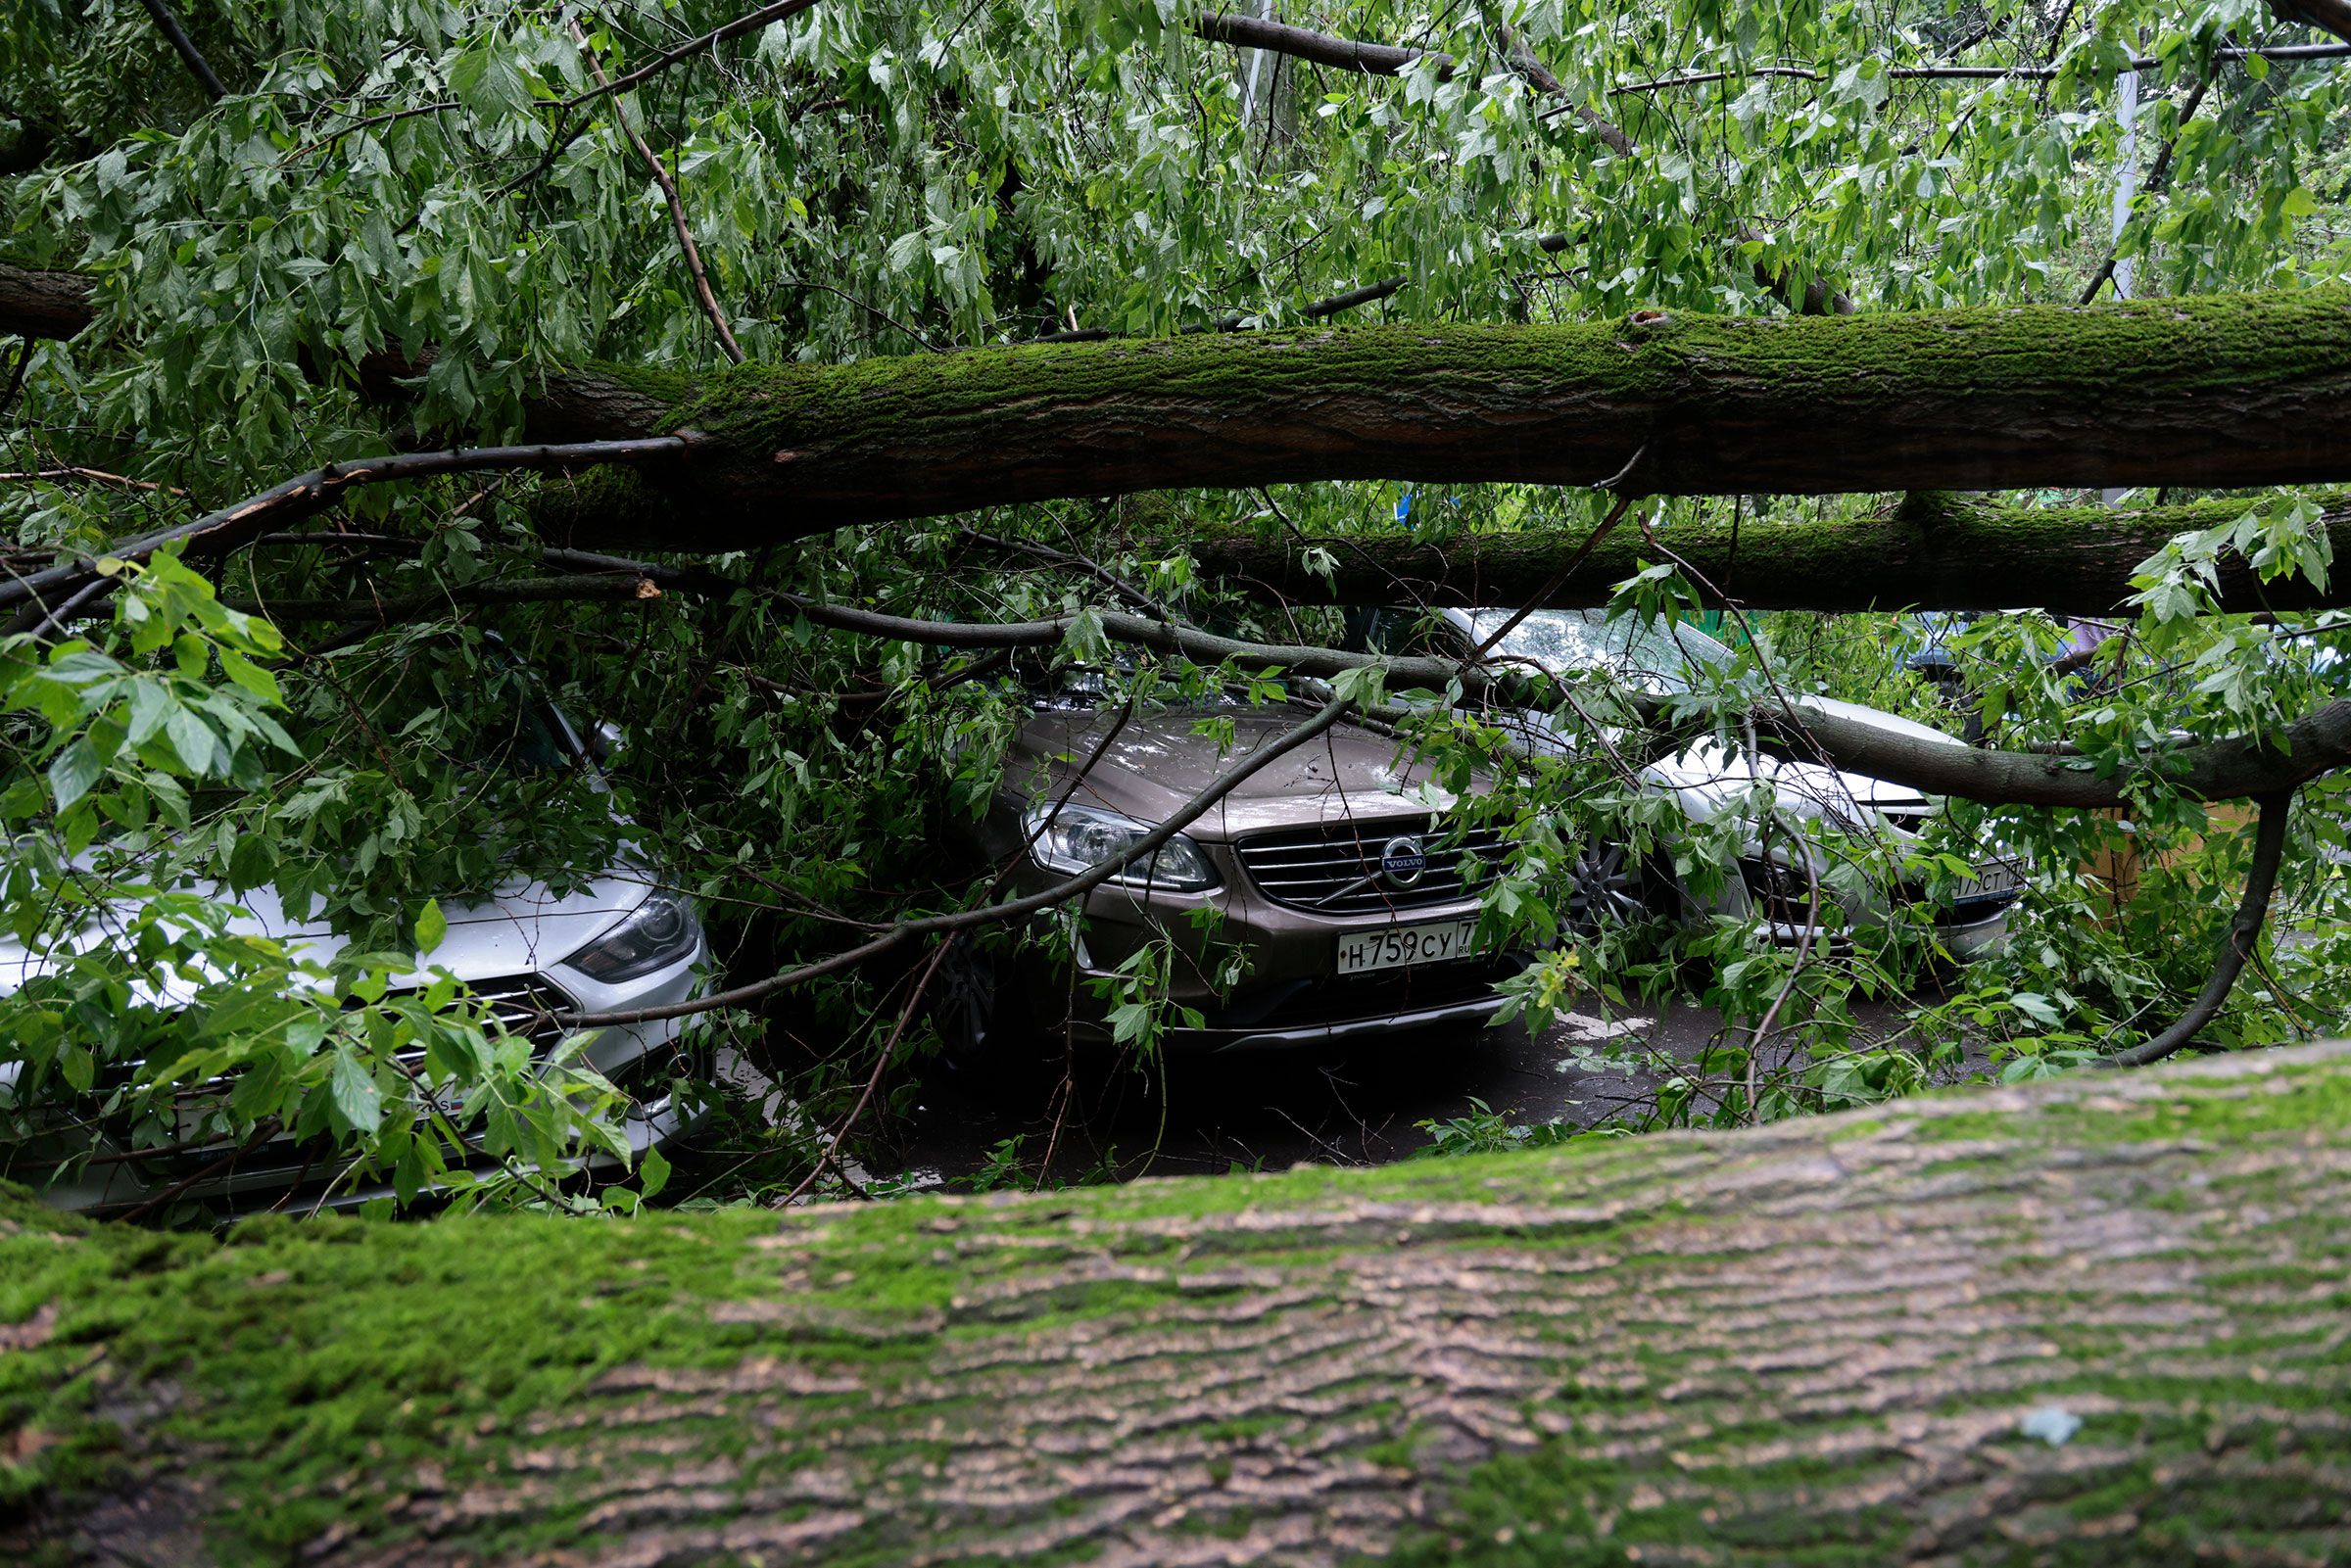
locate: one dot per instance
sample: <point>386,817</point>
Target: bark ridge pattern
<point>1829,1339</point>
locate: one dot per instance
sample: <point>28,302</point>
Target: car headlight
<point>1077,839</point>
<point>655,934</point>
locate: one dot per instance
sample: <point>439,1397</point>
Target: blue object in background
<point>1403,507</point>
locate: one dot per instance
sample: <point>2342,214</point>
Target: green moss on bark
<point>2111,393</point>
<point>1813,1342</point>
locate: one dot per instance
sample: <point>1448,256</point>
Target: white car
<point>1779,872</point>
<point>618,942</point>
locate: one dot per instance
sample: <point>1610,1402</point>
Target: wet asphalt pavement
<point>1355,1105</point>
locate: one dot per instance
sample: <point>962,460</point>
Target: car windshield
<point>519,739</point>
<point>1663,658</point>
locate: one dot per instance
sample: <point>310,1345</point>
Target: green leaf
<point>432,927</point>
<point>71,773</point>
<point>652,1173</point>
<point>356,1099</point>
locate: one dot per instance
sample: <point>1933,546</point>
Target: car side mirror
<point>605,740</point>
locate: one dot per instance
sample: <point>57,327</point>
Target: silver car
<point>618,942</point>
<point>1780,873</point>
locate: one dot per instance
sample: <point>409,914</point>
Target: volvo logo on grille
<point>1401,862</point>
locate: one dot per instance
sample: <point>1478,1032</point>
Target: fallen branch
<point>86,476</point>
<point>595,588</point>
<point>1341,54</point>
<point>2146,63</point>
<point>2243,934</point>
<point>185,47</point>
<point>1931,549</point>
<point>765,16</point>
<point>297,499</point>
<point>1315,311</point>
<point>2327,16</point>
<point>2234,768</point>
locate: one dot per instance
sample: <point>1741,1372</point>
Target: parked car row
<point>1356,906</point>
<point>1335,872</point>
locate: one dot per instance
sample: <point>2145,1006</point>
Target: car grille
<point>527,1006</point>
<point>1335,869</point>
<point>524,1003</point>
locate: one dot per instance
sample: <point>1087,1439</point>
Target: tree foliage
<point>405,215</point>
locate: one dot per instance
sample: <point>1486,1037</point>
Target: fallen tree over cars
<point>2087,1315</point>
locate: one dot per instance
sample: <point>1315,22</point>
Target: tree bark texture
<point>1932,549</point>
<point>2212,393</point>
<point>38,303</point>
<point>2217,391</point>
<point>2098,1320</point>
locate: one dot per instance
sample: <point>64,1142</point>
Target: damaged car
<point>1328,899</point>
<point>1784,882</point>
<point>531,952</point>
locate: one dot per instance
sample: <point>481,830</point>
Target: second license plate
<point>1394,947</point>
<point>1994,878</point>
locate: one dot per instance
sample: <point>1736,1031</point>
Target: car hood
<point>519,929</point>
<point>1154,763</point>
<point>1709,776</point>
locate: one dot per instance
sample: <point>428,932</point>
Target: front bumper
<point>284,1173</point>
<point>1292,997</point>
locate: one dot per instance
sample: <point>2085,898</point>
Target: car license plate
<point>1394,947</point>
<point>1994,878</point>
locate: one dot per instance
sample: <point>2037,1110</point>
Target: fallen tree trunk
<point>2091,1319</point>
<point>1933,549</point>
<point>2219,392</point>
<point>2214,392</point>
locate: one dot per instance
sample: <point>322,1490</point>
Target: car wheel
<point>1612,885</point>
<point>980,1014</point>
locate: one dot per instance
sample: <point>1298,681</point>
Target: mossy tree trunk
<point>1932,549</point>
<point>2221,392</point>
<point>2218,392</point>
<point>2101,1319</point>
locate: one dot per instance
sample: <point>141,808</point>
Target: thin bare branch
<point>761,18</point>
<point>677,206</point>
<point>296,499</point>
<point>2156,178</point>
<point>168,26</point>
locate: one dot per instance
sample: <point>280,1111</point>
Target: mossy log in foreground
<point>1827,1341</point>
<point>1932,549</point>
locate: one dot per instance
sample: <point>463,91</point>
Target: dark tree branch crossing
<point>185,47</point>
<point>2237,945</point>
<point>1931,551</point>
<point>1340,54</point>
